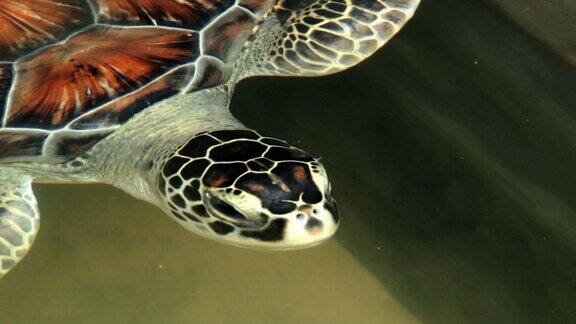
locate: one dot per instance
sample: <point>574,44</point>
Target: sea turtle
<point>135,93</point>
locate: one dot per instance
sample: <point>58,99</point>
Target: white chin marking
<point>299,233</point>
<point>299,236</point>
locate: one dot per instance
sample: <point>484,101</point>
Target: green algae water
<point>451,153</point>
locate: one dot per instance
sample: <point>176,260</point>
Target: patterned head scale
<point>249,190</point>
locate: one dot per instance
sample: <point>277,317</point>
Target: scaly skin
<point>19,218</point>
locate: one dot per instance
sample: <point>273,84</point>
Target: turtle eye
<point>225,209</point>
<point>228,213</point>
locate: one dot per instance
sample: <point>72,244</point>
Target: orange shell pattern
<point>26,25</point>
<point>68,67</point>
<point>91,68</point>
<point>190,14</point>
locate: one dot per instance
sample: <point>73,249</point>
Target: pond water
<point>451,153</point>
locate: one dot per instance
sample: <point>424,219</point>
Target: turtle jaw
<point>308,226</point>
<point>305,225</point>
<point>309,229</point>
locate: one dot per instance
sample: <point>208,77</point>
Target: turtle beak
<point>313,225</point>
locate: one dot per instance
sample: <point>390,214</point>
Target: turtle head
<point>245,189</point>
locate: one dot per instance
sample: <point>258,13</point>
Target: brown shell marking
<point>258,7</point>
<point>6,75</point>
<point>67,144</point>
<point>93,67</point>
<point>210,72</point>
<point>192,14</point>
<point>15,145</point>
<point>120,110</point>
<point>225,38</point>
<point>28,24</point>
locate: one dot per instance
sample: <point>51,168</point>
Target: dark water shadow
<point>452,153</point>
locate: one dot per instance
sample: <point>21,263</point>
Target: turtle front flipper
<point>319,37</point>
<point>19,218</point>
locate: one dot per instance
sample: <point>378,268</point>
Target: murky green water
<point>452,154</point>
<point>103,257</point>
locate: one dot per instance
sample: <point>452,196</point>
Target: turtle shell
<point>73,71</point>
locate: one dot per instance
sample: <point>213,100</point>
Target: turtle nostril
<point>300,216</point>
<point>306,209</point>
